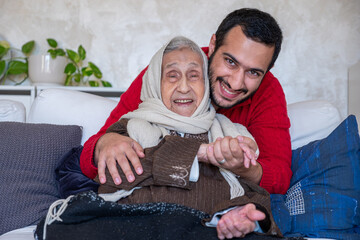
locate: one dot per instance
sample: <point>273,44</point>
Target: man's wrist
<point>95,158</point>
<point>253,173</point>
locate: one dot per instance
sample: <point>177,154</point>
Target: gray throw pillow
<point>29,154</point>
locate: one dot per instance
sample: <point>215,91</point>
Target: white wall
<point>321,37</point>
<point>354,91</point>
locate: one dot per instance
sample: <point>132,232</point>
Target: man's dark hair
<point>257,25</point>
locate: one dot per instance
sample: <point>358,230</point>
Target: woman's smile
<point>182,81</point>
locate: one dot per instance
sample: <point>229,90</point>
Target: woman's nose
<point>183,85</point>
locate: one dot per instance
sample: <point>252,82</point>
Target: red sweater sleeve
<point>129,101</point>
<point>270,127</point>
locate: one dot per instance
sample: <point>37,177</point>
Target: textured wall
<point>321,37</point>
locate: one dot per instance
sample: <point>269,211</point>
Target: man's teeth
<point>183,101</point>
<point>223,87</point>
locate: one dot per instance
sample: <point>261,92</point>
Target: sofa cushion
<point>29,155</point>
<point>311,120</point>
<point>70,107</point>
<point>324,192</point>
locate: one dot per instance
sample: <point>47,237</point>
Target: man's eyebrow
<point>237,62</point>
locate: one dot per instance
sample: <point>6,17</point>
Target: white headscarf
<point>154,118</point>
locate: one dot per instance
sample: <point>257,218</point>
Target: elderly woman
<point>176,125</point>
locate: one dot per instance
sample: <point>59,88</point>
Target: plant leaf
<point>77,77</point>
<point>60,52</point>
<point>23,80</point>
<point>2,66</point>
<point>70,69</point>
<point>52,42</point>
<point>28,47</point>
<point>3,51</point>
<point>17,67</point>
<point>68,80</point>
<point>73,55</point>
<point>106,83</point>
<point>94,83</point>
<point>52,53</point>
<point>82,52</point>
<point>5,44</point>
<point>87,71</point>
<point>97,72</point>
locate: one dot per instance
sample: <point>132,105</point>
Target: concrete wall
<point>321,37</point>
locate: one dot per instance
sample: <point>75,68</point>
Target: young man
<point>241,53</point>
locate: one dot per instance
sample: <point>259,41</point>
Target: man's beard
<point>214,80</point>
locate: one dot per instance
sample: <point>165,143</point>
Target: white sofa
<point>310,120</point>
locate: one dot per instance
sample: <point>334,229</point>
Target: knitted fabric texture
<point>29,154</point>
<point>88,216</point>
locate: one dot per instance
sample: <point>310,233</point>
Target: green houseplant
<point>15,65</point>
<point>76,72</point>
<point>4,50</point>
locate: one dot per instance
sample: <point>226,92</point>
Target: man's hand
<point>239,221</point>
<point>112,149</point>
<point>235,154</point>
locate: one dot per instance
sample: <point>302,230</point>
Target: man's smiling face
<point>237,68</point>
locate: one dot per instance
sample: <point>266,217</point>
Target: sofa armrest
<point>12,111</point>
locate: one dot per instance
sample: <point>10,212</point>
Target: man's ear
<point>212,45</point>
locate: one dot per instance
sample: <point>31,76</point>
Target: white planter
<point>44,70</point>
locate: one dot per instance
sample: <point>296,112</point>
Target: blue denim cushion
<point>324,192</point>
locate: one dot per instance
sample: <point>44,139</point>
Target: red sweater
<point>264,115</point>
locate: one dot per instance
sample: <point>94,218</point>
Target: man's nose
<point>236,80</point>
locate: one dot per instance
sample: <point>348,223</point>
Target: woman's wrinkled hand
<point>230,153</point>
<point>239,221</point>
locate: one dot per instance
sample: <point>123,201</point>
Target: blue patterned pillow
<point>325,188</point>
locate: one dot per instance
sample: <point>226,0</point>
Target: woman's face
<point>182,81</point>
